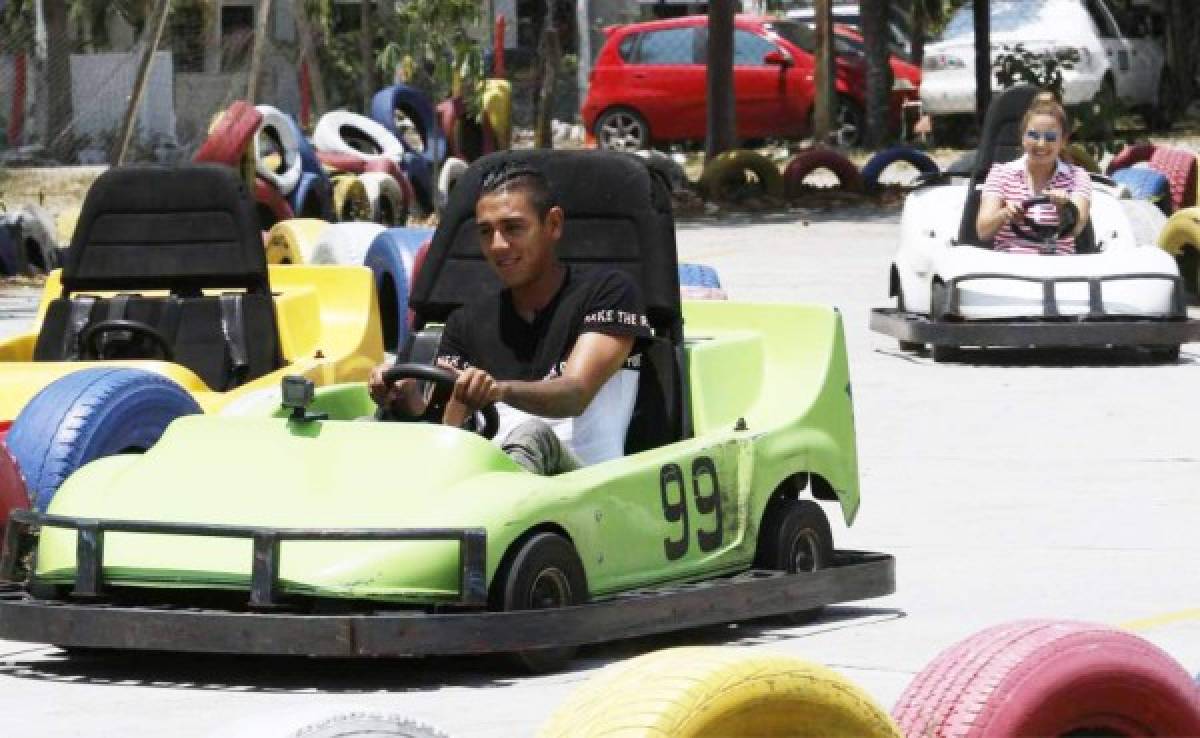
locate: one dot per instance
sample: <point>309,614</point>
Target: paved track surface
<point>1015,485</point>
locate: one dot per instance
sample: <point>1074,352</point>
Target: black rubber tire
<point>795,536</point>
<point>879,163</point>
<point>624,119</point>
<point>548,561</point>
<point>725,177</point>
<point>911,347</point>
<point>87,415</point>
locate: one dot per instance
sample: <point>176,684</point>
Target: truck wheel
<point>716,692</point>
<point>795,537</point>
<point>1050,678</point>
<point>544,572</point>
<point>88,415</point>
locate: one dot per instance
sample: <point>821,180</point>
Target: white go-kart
<point>953,290</point>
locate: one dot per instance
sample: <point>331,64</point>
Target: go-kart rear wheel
<point>795,537</point>
<point>544,572</point>
<point>911,347</point>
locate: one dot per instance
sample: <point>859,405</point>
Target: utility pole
<point>826,93</point>
<point>983,60</point>
<point>722,111</point>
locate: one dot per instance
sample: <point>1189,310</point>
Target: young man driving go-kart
<point>1030,189</point>
<point>556,350</point>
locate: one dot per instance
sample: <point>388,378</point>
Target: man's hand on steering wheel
<point>446,381</point>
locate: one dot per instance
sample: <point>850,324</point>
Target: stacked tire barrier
<point>1177,165</point>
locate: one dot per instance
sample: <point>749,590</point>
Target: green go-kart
<point>295,530</point>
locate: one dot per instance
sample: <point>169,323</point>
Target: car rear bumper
<point>1036,332</point>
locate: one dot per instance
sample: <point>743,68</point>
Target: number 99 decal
<point>706,490</point>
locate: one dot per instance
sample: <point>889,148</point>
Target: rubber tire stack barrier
<point>418,108</point>
<point>1145,183</point>
<point>382,187</point>
<point>878,163</point>
<point>313,197</point>
<point>452,169</point>
<point>820,157</point>
<point>231,141</point>
<point>87,415</point>
<point>1146,220</point>
<point>1042,677</point>
<point>344,244</point>
<point>1179,167</point>
<point>13,492</point>
<point>700,282</point>
<point>294,241</point>
<point>661,164</point>
<point>1079,156</point>
<point>713,691</point>
<point>284,130</point>
<point>1130,155</point>
<point>497,110</point>
<point>350,201</point>
<point>740,161</point>
<point>328,137</point>
<point>272,201</point>
<point>392,257</point>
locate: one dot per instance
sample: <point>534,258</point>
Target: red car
<point>648,84</point>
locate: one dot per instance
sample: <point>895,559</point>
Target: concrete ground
<point>1018,485</point>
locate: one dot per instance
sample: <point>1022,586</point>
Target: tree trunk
<point>879,77</point>
<point>366,57</point>
<point>551,57</point>
<point>1183,49</point>
<point>825,92</point>
<point>308,55</point>
<point>722,111</point>
<point>58,81</point>
<point>983,60</point>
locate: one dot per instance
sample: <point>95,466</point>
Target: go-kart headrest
<point>999,142</point>
<point>617,215</point>
<point>180,228</point>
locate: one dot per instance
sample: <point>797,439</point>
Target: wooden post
<point>551,53</point>
<point>260,43</point>
<point>304,31</point>
<point>366,58</point>
<point>983,60</point>
<point>825,88</point>
<point>154,32</point>
<point>722,110</point>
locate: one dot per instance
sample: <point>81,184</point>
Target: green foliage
<point>433,34</point>
<point>1017,64</point>
<point>16,25</point>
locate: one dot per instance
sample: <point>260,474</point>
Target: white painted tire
<point>452,169</point>
<point>38,231</point>
<point>275,123</point>
<point>345,244</point>
<point>293,241</point>
<point>331,135</point>
<point>389,206</point>
<point>1146,219</point>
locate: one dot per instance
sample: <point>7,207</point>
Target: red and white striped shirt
<point>1010,182</point>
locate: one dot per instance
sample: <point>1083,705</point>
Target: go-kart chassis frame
<point>271,625</point>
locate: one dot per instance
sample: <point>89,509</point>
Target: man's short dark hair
<point>512,176</point>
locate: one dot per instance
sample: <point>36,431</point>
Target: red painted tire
<point>449,112</point>
<point>272,205</point>
<point>1130,155</point>
<point>1179,167</point>
<point>820,157</point>
<point>343,162</point>
<point>13,493</point>
<point>1050,678</point>
<point>234,131</point>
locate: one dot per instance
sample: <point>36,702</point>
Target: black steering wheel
<point>443,380</point>
<point>1045,234</point>
<point>91,347</point>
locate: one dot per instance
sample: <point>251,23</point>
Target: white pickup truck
<point>1116,59</point>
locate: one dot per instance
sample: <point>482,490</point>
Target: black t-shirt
<point>489,334</point>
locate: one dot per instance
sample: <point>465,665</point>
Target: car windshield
<point>1008,16</point>
<point>804,36</point>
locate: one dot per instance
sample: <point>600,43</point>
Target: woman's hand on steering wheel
<point>1046,234</point>
<point>444,381</point>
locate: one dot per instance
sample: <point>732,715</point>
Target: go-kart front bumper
<point>272,626</point>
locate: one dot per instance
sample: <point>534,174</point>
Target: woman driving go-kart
<point>1037,203</point>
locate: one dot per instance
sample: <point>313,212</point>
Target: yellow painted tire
<point>389,206</point>
<point>294,241</point>
<point>1079,156</point>
<point>1182,230</point>
<point>714,692</point>
<point>350,199</point>
<point>497,110</point>
<point>727,173</point>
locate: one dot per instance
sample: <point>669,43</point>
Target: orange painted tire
<point>1179,167</point>
<point>820,157</point>
<point>231,140</point>
<point>1130,155</point>
<point>1050,678</point>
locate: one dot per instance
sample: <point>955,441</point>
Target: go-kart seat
<point>1001,142</point>
<point>617,215</point>
<point>175,232</point>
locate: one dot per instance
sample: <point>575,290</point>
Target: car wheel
<point>718,692</point>
<point>909,346</point>
<point>87,415</point>
<point>622,129</point>
<point>1050,678</point>
<point>848,122</point>
<point>544,572</point>
<point>795,537</point>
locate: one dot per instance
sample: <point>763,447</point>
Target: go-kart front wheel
<point>795,537</point>
<point>544,572</point>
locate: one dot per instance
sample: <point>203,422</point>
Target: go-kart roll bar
<point>1049,294</point>
<point>24,526</point>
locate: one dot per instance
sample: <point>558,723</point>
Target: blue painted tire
<point>698,275</point>
<point>419,109</point>
<point>884,159</point>
<point>88,415</point>
<point>391,257</point>
<point>313,197</point>
<point>1145,183</point>
<point>420,175</point>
